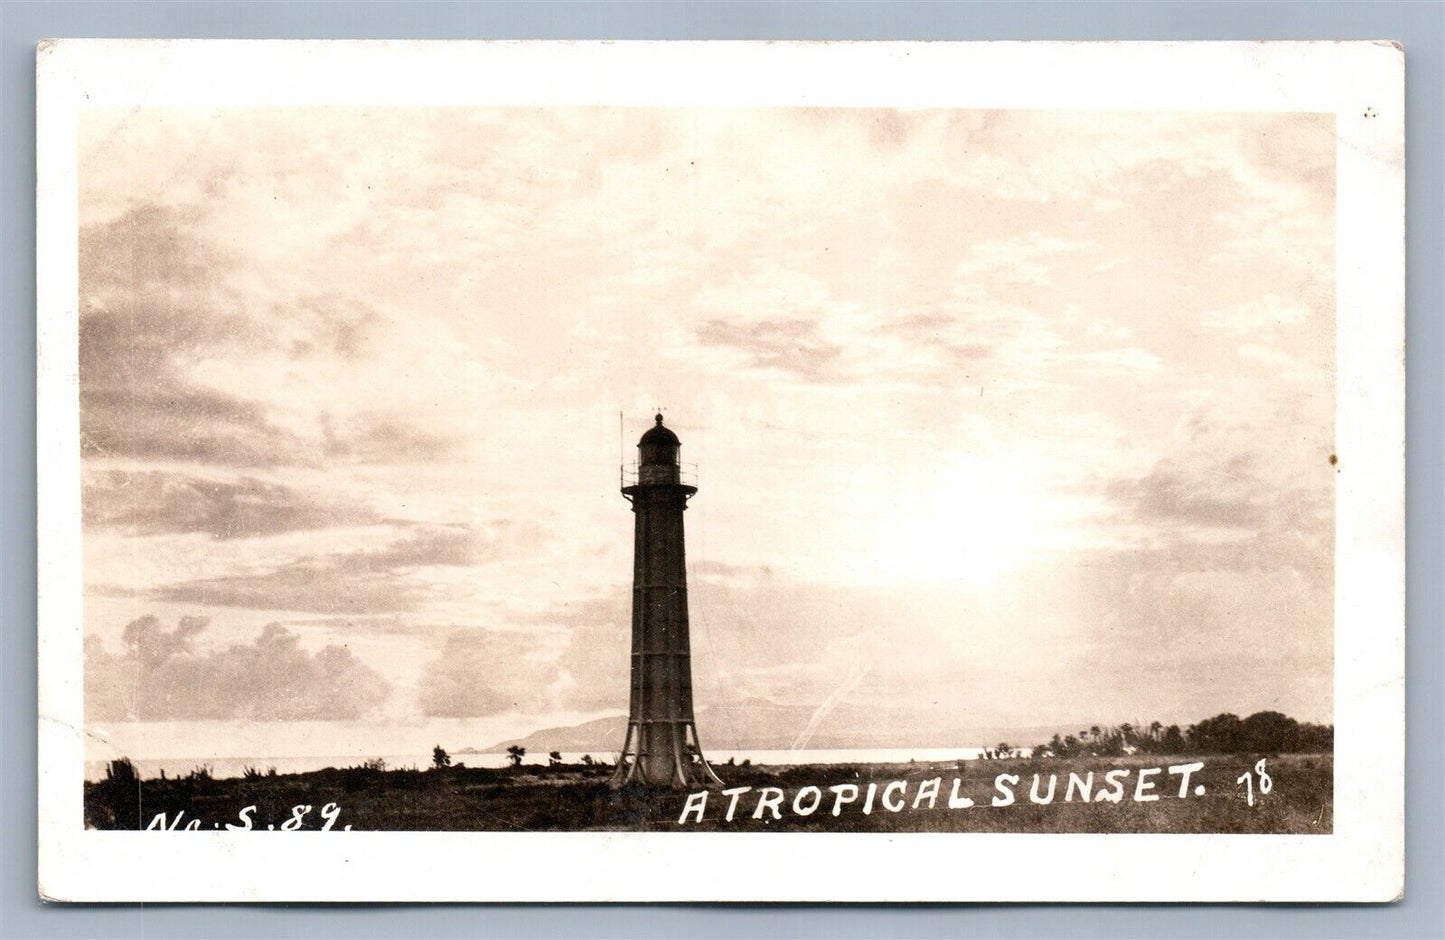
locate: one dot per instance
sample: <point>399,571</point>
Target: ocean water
<point>237,766</point>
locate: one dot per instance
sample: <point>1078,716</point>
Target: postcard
<point>689,471</point>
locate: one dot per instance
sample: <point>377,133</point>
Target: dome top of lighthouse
<point>658,434</point>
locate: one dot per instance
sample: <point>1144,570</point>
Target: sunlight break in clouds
<point>1031,410</point>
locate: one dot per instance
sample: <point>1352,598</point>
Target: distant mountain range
<point>763,725</point>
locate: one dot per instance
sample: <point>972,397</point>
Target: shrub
<point>121,773</point>
<point>119,806</point>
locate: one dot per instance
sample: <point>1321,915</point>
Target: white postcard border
<point>1360,82</point>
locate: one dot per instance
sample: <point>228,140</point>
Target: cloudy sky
<point>1009,417</point>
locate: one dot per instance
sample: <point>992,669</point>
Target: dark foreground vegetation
<point>1263,732</point>
<point>1297,798</point>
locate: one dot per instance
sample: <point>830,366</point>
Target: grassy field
<point>572,798</point>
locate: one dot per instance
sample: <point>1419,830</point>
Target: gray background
<point>1420,25</point>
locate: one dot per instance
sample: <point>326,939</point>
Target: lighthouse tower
<point>661,746</point>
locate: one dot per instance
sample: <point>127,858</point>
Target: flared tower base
<point>663,754</point>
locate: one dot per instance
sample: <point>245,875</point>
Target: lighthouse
<point>661,747</point>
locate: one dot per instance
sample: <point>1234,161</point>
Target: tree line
<point>1263,732</point>
<point>441,760</point>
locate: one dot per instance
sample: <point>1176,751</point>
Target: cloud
<point>1127,360</point>
<point>1259,315</point>
<point>306,585</point>
<point>159,502</point>
<point>1027,260</point>
<point>148,250</point>
<point>594,671</point>
<point>1204,627</point>
<point>161,676</point>
<point>342,328</point>
<point>707,568</point>
<point>375,438</point>
<point>450,545</point>
<point>162,308</point>
<point>1173,493</point>
<point>152,302</point>
<point>921,326</point>
<point>1219,484</point>
<point>1233,575</point>
<point>1243,624</point>
<point>575,656</point>
<point>795,345</point>
<point>175,425</point>
<point>366,581</point>
<point>484,672</point>
<point>135,402</point>
<point>752,635</point>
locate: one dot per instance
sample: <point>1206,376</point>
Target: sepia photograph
<point>571,462</point>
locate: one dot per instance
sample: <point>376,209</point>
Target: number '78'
<point>1265,782</point>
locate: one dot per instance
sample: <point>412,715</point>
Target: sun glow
<point>972,523</point>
